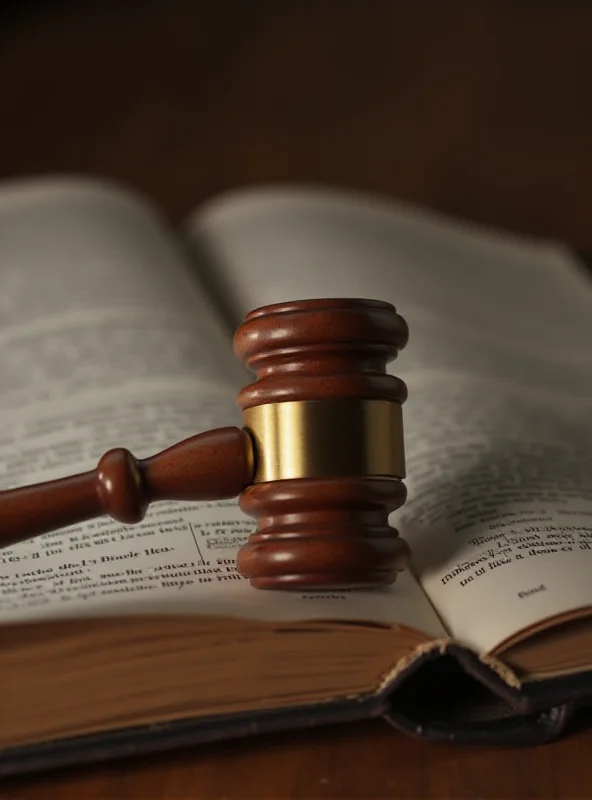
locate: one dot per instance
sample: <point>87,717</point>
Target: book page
<point>107,339</point>
<point>499,368</point>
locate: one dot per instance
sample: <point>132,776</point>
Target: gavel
<point>319,461</point>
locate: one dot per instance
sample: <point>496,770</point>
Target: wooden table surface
<point>481,109</point>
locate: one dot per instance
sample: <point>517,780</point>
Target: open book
<point>115,330</point>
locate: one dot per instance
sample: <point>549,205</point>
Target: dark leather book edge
<point>525,730</point>
<point>519,724</point>
<point>144,740</point>
<point>163,737</point>
<point>482,709</point>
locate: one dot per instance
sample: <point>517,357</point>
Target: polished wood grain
<point>478,108</point>
<point>327,528</point>
<point>321,349</point>
<point>212,465</point>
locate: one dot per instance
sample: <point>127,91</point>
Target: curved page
<point>499,368</point>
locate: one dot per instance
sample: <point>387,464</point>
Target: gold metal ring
<point>326,438</point>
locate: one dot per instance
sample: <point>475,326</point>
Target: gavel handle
<point>214,465</point>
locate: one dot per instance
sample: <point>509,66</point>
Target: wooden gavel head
<point>326,424</point>
<point>319,461</point>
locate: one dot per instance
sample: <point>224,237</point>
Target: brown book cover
<point>445,695</point>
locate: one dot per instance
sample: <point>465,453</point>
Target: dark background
<point>481,109</point>
<point>478,108</point>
